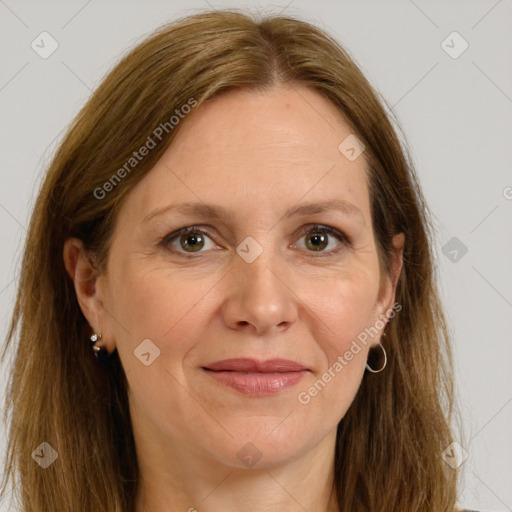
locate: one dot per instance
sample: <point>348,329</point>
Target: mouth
<point>256,378</point>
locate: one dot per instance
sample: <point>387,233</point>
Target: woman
<point>228,298</point>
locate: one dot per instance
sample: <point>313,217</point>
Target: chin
<point>261,447</point>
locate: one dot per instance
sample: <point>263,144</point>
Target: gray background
<point>456,114</point>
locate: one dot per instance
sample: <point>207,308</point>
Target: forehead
<point>295,122</point>
<point>259,148</point>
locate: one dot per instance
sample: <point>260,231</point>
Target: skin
<point>257,155</point>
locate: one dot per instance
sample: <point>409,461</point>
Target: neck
<point>174,479</point>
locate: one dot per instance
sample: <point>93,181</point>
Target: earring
<point>101,354</point>
<point>385,361</point>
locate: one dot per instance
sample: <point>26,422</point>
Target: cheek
<point>160,306</point>
<point>166,307</point>
<point>344,320</point>
<point>344,310</point>
<point>175,311</point>
<point>154,303</point>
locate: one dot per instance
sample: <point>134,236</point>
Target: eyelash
<point>315,228</point>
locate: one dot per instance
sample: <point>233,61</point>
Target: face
<point>264,275</point>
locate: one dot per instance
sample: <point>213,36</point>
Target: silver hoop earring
<point>385,361</point>
<point>100,353</point>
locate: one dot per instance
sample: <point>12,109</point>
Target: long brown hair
<point>389,443</point>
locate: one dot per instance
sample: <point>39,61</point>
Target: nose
<point>260,299</point>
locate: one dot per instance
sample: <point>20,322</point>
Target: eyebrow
<point>220,213</point>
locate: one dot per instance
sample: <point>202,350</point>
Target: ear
<point>89,291</point>
<point>389,281</point>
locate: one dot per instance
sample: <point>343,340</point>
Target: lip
<point>245,364</point>
<point>256,378</point>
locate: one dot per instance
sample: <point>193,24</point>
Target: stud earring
<point>100,353</point>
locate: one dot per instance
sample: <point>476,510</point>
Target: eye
<point>318,238</point>
<point>193,239</point>
<point>190,240</point>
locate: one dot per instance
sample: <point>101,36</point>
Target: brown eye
<point>322,239</point>
<point>316,241</point>
<point>189,240</point>
<point>192,242</point>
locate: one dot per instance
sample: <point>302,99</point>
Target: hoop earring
<point>385,361</point>
<point>101,354</point>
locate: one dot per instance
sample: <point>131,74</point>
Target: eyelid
<point>324,228</point>
<point>308,228</point>
<point>342,237</point>
<point>195,228</point>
